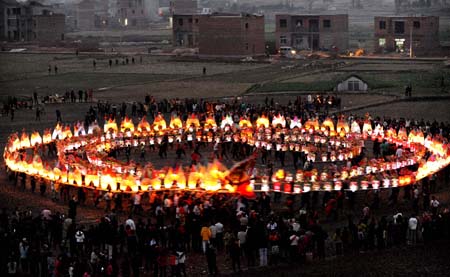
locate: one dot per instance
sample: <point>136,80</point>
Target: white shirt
<point>412,223</point>
<point>130,223</point>
<point>272,226</point>
<point>79,236</point>
<point>242,237</point>
<point>294,240</point>
<point>219,227</point>
<point>46,214</point>
<point>137,199</point>
<point>213,230</point>
<point>434,203</point>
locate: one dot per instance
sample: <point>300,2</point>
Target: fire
<point>342,126</point>
<point>227,120</point>
<point>295,123</point>
<point>143,125</point>
<point>262,121</point>
<point>279,120</point>
<point>210,123</point>
<point>126,125</point>
<point>57,132</point>
<point>192,121</point>
<point>159,123</point>
<point>245,123</point>
<point>110,125</point>
<point>328,123</point>
<point>312,124</point>
<point>175,123</point>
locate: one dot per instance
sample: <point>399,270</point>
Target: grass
<point>376,81</point>
<point>76,80</point>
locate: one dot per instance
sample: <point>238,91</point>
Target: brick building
<point>10,13</point>
<point>132,13</point>
<point>48,27</point>
<point>85,15</point>
<point>319,32</point>
<point>220,34</point>
<point>185,30</point>
<point>30,21</point>
<point>394,34</point>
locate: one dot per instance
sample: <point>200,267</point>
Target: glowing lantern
<point>126,125</point>
<point>279,120</point>
<point>227,120</point>
<point>159,123</point>
<point>262,122</point>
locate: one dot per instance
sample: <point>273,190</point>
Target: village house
<point>312,32</point>
<point>395,33</point>
<point>220,34</point>
<point>30,21</point>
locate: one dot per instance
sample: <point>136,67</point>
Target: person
<point>412,229</point>
<point>235,254</point>
<point>219,235</point>
<point>181,258</point>
<point>58,116</point>
<point>23,251</point>
<point>79,237</point>
<point>205,233</point>
<point>434,204</point>
<point>108,197</point>
<point>12,267</point>
<point>38,114</point>
<point>73,207</point>
<point>211,259</point>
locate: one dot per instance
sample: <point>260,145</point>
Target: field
<point>162,76</point>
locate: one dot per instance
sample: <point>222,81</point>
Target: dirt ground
<point>21,74</point>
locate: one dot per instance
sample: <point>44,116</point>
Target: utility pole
<point>411,40</point>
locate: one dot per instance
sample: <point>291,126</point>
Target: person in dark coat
<point>211,260</point>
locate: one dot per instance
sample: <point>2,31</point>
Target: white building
<point>352,83</point>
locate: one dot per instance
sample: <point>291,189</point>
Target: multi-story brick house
<point>395,34</point>
<point>220,34</point>
<point>30,21</point>
<point>316,32</point>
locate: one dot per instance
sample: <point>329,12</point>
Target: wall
<point>236,36</point>
<point>49,28</point>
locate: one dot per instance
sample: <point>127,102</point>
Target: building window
<point>180,21</point>
<point>382,25</point>
<point>283,23</point>
<point>353,85</point>
<point>190,20</point>
<point>246,25</point>
<point>381,42</point>
<point>416,24</point>
<point>132,11</point>
<point>283,40</point>
<point>327,23</point>
<point>8,11</point>
<point>399,27</point>
<point>196,20</point>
